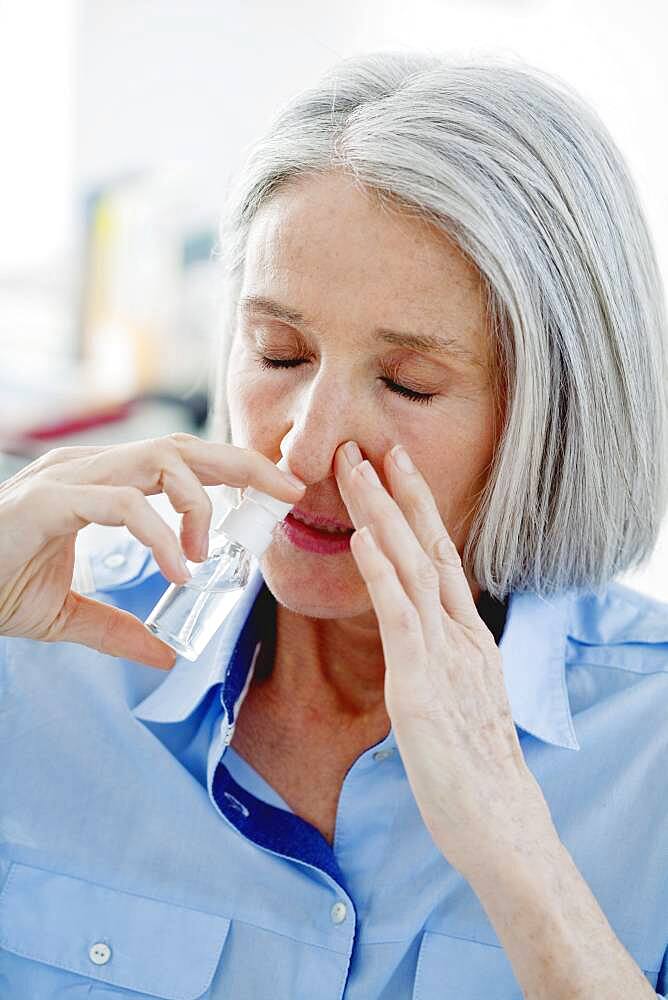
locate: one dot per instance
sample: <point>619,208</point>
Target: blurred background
<point>123,122</point>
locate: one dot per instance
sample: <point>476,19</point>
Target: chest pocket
<point>115,939</point>
<point>451,968</point>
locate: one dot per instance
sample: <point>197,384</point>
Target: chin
<point>304,583</point>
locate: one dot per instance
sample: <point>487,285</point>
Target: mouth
<point>326,524</point>
<point>327,541</point>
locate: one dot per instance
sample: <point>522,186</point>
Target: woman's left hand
<point>444,688</point>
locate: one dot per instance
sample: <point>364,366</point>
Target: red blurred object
<point>72,425</point>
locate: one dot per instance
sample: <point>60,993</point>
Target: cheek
<point>242,384</point>
<point>456,461</point>
<point>252,405</point>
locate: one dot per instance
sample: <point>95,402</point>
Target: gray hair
<point>523,176</point>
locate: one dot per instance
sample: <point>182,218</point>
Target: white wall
<point>91,88</point>
<point>196,80</point>
<point>37,105</point>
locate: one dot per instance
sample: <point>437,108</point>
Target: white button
<point>237,805</point>
<point>382,754</point>
<point>99,953</point>
<point>338,912</point>
<point>115,560</point>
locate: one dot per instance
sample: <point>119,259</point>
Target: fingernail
<point>171,659</point>
<point>352,453</point>
<point>402,459</point>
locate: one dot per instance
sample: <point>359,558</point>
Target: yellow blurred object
<point>149,293</point>
<point>146,345</point>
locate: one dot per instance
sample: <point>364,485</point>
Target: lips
<point>321,523</point>
<point>315,540</point>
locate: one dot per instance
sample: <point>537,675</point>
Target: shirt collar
<point>226,660</point>
<point>532,647</point>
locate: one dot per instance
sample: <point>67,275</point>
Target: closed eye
<point>399,390</point>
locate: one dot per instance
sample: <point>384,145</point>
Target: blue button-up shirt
<point>141,857</point>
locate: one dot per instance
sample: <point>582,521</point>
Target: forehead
<point>331,217</point>
<point>330,250</point>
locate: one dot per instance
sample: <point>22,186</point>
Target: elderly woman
<point>422,757</point>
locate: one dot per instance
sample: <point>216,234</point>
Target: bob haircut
<point>515,168</point>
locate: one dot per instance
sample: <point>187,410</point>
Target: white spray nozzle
<point>252,522</point>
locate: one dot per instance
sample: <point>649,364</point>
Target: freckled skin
<point>322,247</point>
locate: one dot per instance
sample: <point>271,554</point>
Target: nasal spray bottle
<point>188,614</point>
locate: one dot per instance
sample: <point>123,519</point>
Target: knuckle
<point>110,629</point>
<point>426,575</point>
<point>180,438</point>
<point>406,619</point>
<point>56,455</point>
<point>444,552</point>
<point>423,506</point>
<point>165,451</point>
<point>168,449</point>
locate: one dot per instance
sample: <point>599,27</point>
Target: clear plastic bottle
<point>188,614</point>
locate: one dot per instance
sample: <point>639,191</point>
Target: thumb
<point>112,631</point>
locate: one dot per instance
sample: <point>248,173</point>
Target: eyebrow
<point>426,342</point>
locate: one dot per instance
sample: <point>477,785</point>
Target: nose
<point>310,463</point>
<point>318,430</point>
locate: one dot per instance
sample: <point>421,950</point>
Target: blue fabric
<point>140,856</point>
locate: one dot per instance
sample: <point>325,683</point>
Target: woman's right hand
<point>46,503</point>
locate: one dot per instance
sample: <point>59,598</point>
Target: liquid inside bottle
<point>188,614</point>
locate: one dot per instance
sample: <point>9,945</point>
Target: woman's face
<point>348,272</point>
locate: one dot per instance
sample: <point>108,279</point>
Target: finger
<point>143,464</point>
<point>178,465</point>
<point>181,483</point>
<point>174,477</point>
<point>187,496</point>
<point>371,503</point>
<point>117,505</point>
<point>109,630</point>
<point>415,499</point>
<point>354,505</point>
<point>219,462</point>
<point>398,620</point>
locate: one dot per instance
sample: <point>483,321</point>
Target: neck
<point>327,668</point>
